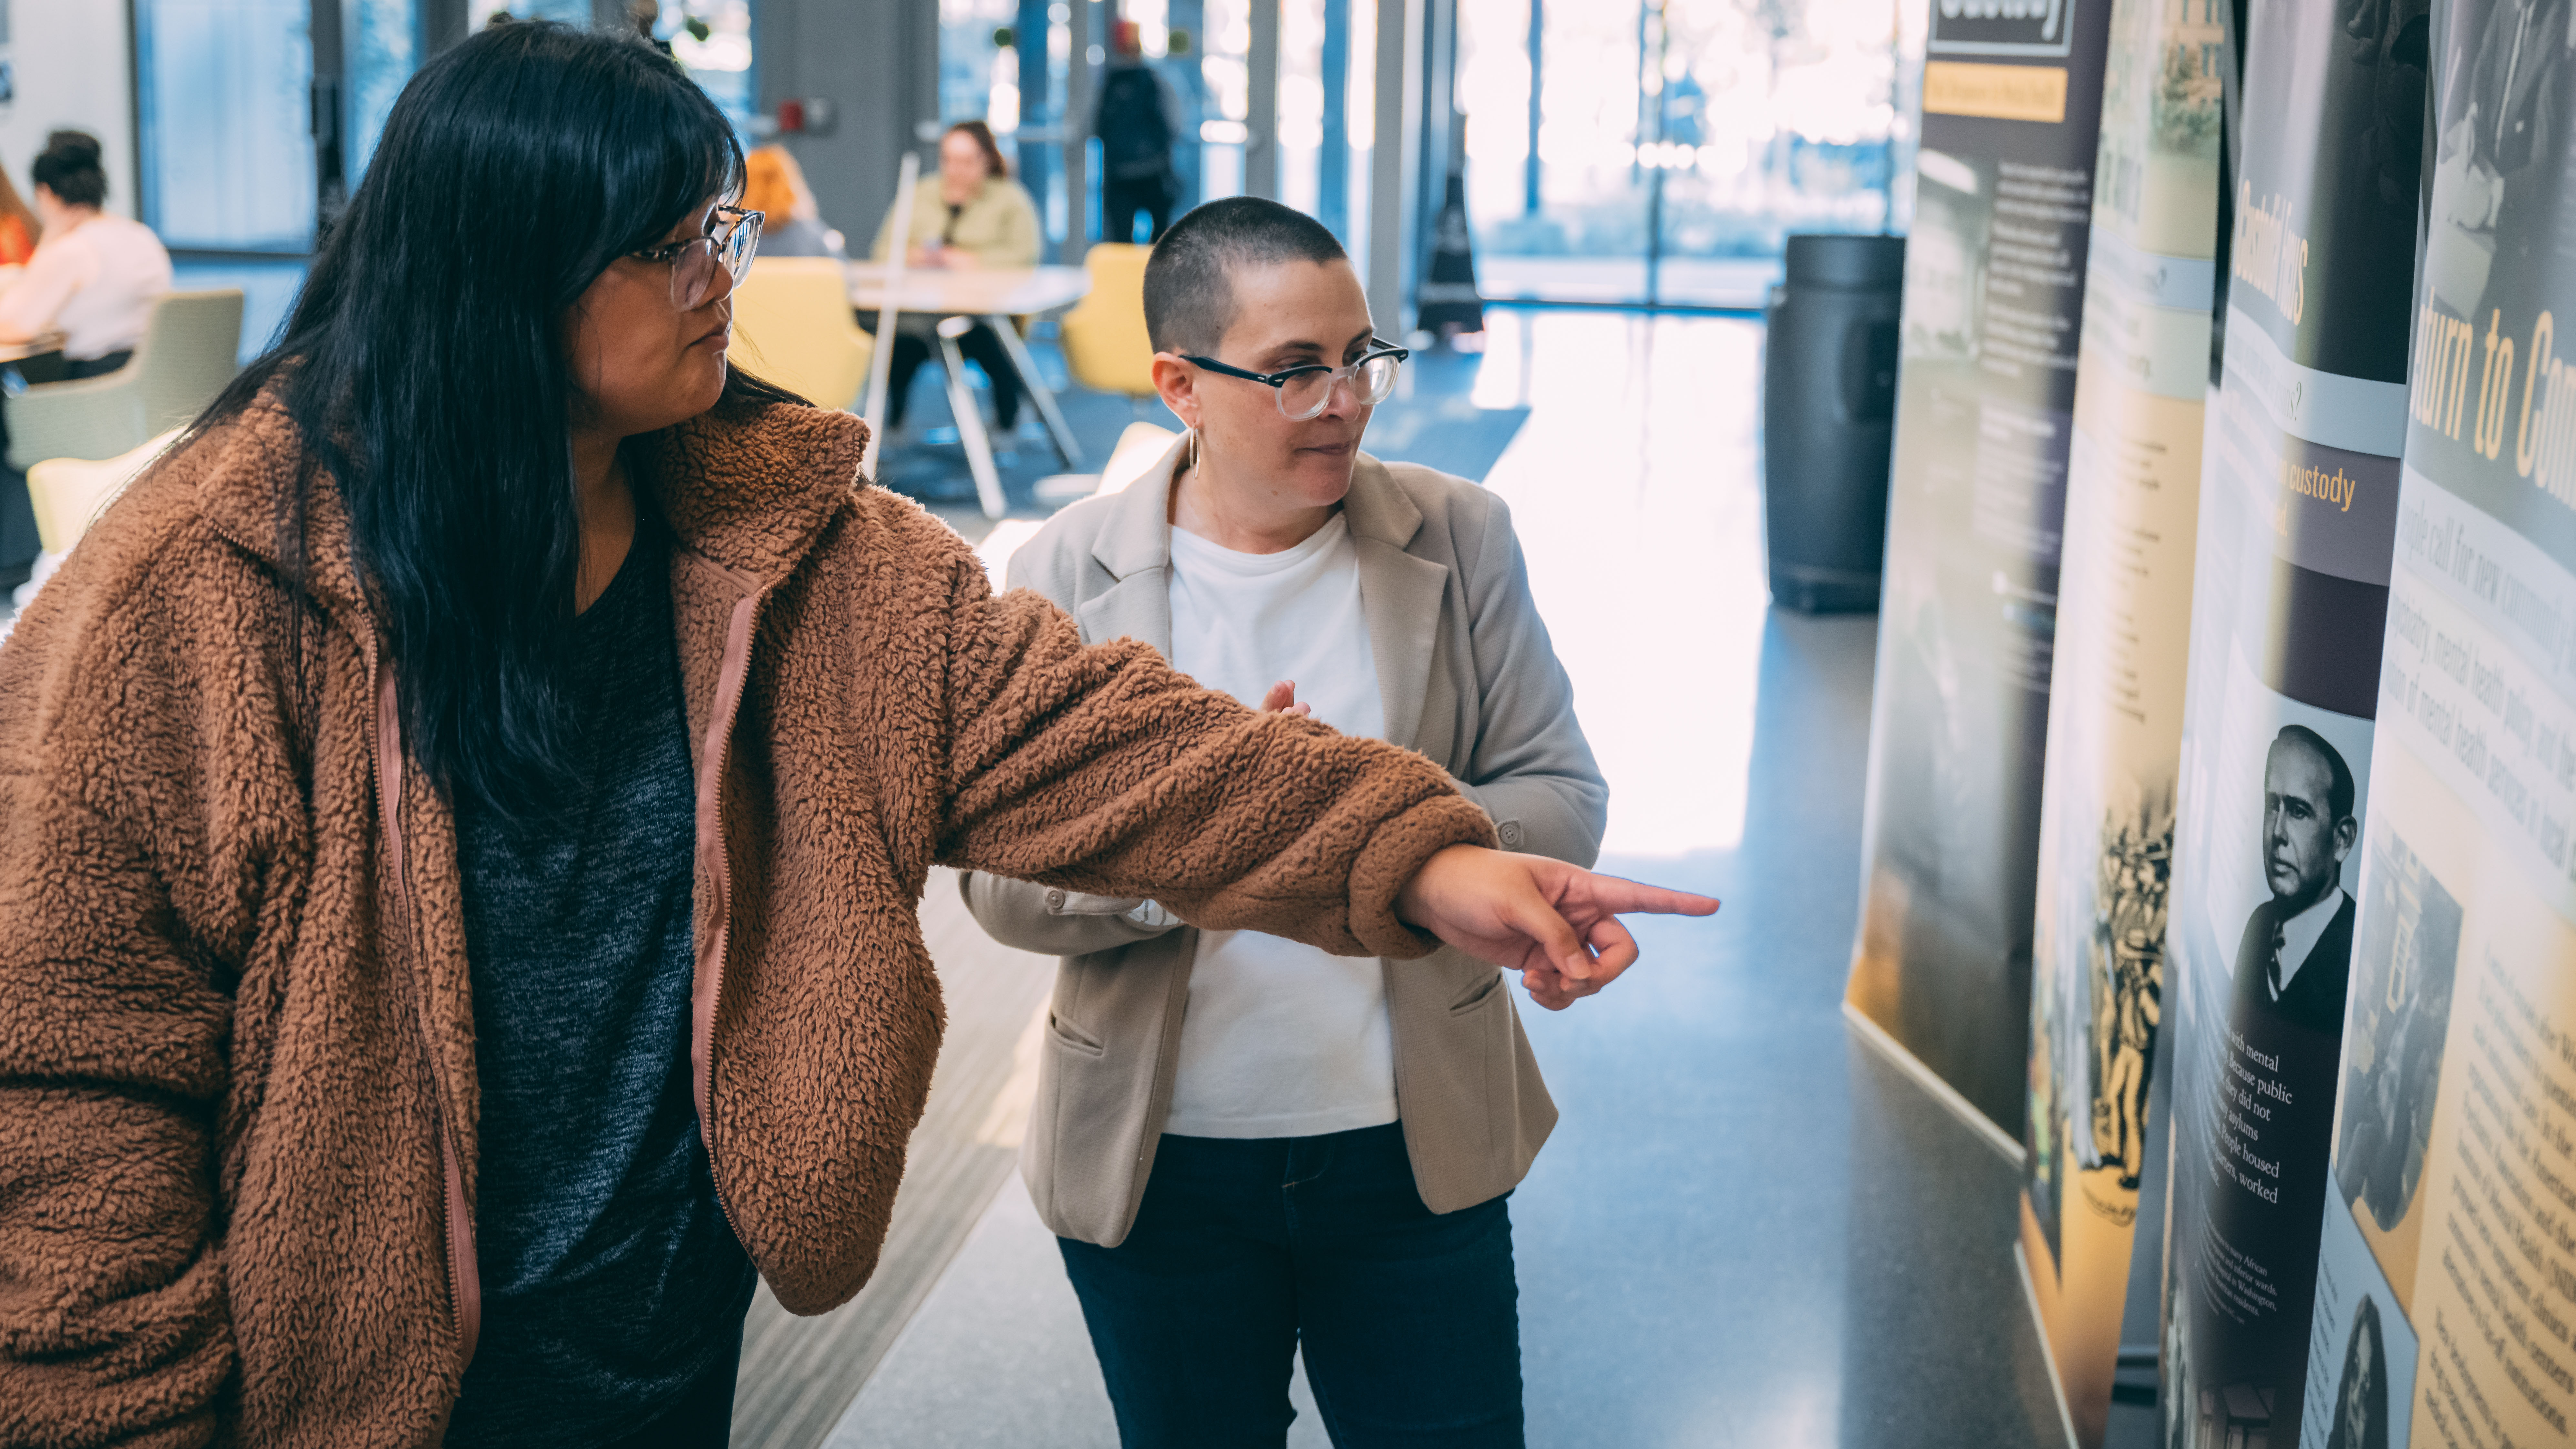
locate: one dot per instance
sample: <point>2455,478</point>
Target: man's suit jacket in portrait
<point>2314,998</point>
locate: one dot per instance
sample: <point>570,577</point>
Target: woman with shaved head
<point>1249,1146</point>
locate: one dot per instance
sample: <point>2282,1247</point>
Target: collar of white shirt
<point>2299,935</point>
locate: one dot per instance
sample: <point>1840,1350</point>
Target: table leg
<point>1030,383</point>
<point>970,430</point>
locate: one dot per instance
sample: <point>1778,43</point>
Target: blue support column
<point>1333,165</point>
<point>1037,98</point>
<point>1530,167</point>
<point>1189,83</point>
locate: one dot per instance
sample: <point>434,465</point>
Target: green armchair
<point>190,350</point>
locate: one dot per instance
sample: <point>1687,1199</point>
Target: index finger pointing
<point>1623,897</point>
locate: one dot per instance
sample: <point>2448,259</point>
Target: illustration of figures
<point>2128,956</point>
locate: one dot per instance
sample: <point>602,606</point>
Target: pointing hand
<point>1556,924</point>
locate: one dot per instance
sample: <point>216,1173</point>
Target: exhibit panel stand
<point>2446,1283</point>
<point>2290,594</point>
<point>2114,740</point>
<point>1987,337</point>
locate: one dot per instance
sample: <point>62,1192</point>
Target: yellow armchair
<point>1105,346</point>
<point>792,326</point>
<point>70,492</point>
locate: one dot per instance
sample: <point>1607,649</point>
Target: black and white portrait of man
<point>2296,956</point>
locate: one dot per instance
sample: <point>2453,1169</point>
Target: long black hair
<point>424,367</point>
<point>2365,1378</point>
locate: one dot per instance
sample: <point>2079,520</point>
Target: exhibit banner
<point>2444,1306</point>
<point>2115,709</point>
<point>2298,516</point>
<point>1968,612</point>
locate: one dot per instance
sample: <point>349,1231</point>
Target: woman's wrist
<point>1413,902</point>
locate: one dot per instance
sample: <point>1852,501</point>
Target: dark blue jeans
<point>1243,1248</point>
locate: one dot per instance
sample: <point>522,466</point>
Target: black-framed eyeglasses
<point>1303,392</point>
<point>731,243</point>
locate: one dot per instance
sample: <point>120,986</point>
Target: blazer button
<point>1055,900</point>
<point>1509,832</point>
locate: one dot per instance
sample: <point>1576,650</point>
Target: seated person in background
<point>94,276</point>
<point>791,223</point>
<point>970,215</point>
<point>1244,1143</point>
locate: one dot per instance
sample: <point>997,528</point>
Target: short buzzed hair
<point>1189,289</point>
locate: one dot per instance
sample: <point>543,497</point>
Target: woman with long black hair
<point>462,814</point>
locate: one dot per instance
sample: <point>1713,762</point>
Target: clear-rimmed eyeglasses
<point>1303,392</point>
<point>733,236</point>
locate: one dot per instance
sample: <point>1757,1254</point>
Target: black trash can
<point>1829,419</point>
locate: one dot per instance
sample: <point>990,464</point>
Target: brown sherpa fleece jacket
<point>237,1083</point>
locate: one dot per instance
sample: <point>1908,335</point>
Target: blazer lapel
<point>1135,546</point>
<point>1399,595</point>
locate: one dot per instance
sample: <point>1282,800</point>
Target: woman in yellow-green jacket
<point>971,215</point>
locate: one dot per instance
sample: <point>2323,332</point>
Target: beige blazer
<point>1469,679</point>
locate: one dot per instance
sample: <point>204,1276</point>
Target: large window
<point>1008,63</point>
<point>242,150</point>
<point>1003,62</point>
<point>245,157</point>
<point>479,13</point>
<point>381,40</point>
<point>1225,95</point>
<point>226,101</point>
<point>1659,150</point>
<point>710,38</point>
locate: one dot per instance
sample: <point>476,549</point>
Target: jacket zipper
<point>464,1277</point>
<point>464,1283</point>
<point>732,678</point>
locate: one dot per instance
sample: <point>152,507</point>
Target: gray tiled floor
<point>1749,1229</point>
<point>997,1355</point>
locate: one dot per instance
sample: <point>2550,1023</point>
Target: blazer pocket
<point>1072,1037</point>
<point>1478,995</point>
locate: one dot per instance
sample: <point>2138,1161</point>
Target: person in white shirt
<point>94,275</point>
<point>1245,1145</point>
<point>93,278</point>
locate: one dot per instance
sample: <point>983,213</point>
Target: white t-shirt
<point>1281,1039</point>
<point>94,283</point>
